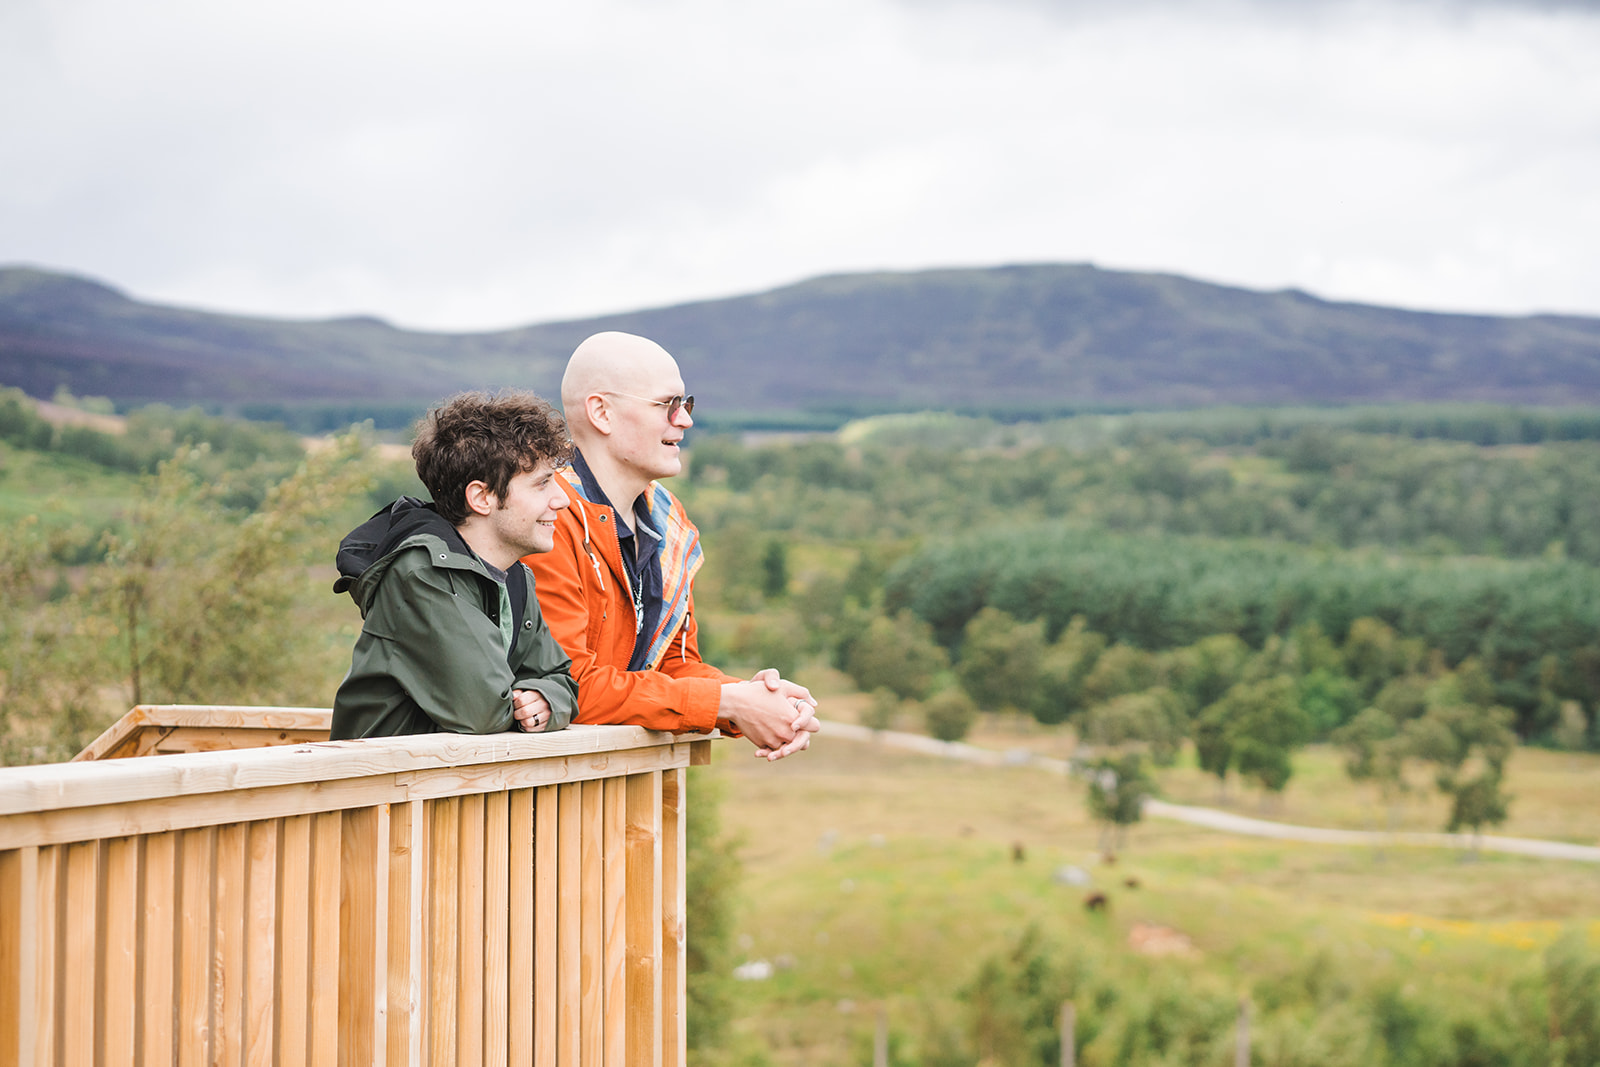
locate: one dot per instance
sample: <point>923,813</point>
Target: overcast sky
<point>476,165</point>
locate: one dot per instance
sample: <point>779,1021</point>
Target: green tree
<point>711,888</point>
<point>949,714</point>
<point>1264,725</point>
<point>897,653</point>
<point>50,654</point>
<point>1000,660</point>
<point>775,570</point>
<point>1205,670</point>
<point>1153,720</point>
<point>204,600</point>
<point>1469,742</point>
<point>1062,670</point>
<point>1117,789</point>
<point>1375,752</point>
<point>1120,669</point>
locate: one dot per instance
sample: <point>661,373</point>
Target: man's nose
<point>682,418</point>
<point>560,500</point>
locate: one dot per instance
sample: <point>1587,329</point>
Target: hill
<point>1020,339</point>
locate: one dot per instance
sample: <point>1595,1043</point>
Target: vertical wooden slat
<point>120,1002</point>
<point>569,921</point>
<point>443,956</point>
<point>11,980</point>
<point>363,876</point>
<point>496,895</point>
<point>593,907</point>
<point>326,844</point>
<point>615,876</point>
<point>294,941</point>
<point>519,923</point>
<point>644,919</point>
<point>43,870</point>
<point>82,934</point>
<point>674,962</point>
<point>196,857</point>
<point>228,958</point>
<point>546,923</point>
<point>158,947</point>
<point>469,974</point>
<point>407,827</point>
<point>261,946</point>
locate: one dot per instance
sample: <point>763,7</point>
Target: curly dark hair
<point>489,438</point>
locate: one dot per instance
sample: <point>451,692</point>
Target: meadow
<point>876,879</point>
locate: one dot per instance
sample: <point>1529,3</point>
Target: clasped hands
<point>777,715</point>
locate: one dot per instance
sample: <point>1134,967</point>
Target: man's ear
<point>480,498</point>
<point>599,412</point>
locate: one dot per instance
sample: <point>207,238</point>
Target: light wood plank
<point>58,825</point>
<point>120,1000</point>
<point>469,897</point>
<point>326,843</point>
<point>593,928</point>
<point>228,976</point>
<point>82,934</point>
<point>158,949</point>
<point>408,828</point>
<point>261,943</point>
<point>196,862</point>
<point>644,919</point>
<point>674,919</point>
<point>59,786</point>
<point>293,1007</point>
<point>42,1038</point>
<point>363,866</point>
<point>496,924</point>
<point>546,923</point>
<point>520,904</point>
<point>11,972</point>
<point>444,945</point>
<point>569,936</point>
<point>614,976</point>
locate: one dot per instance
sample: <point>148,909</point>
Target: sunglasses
<point>672,404</point>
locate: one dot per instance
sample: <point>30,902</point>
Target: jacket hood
<point>378,538</point>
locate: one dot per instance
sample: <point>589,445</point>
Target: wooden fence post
<point>1241,1048</point>
<point>1069,1028</point>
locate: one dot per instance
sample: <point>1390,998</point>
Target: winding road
<point>1211,818</point>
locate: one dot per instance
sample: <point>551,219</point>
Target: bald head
<point>617,393</point>
<point>610,362</point>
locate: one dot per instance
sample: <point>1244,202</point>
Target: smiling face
<point>645,439</point>
<point>525,521</point>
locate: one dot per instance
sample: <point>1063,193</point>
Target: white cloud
<point>492,164</point>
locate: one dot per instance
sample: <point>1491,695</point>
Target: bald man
<point>618,590</point>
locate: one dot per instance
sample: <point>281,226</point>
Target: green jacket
<point>436,650</point>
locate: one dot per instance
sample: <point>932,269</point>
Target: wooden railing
<point>438,899</point>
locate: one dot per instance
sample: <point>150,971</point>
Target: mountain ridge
<point>1020,338</point>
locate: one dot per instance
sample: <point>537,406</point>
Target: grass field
<point>880,878</point>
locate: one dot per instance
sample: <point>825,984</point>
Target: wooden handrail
<point>426,899</point>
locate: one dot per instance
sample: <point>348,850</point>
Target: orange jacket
<point>583,595</point>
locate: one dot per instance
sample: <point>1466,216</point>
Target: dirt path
<point>1211,818</point>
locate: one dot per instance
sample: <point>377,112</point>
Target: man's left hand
<point>531,709</point>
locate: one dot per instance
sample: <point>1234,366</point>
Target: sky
<point>478,165</point>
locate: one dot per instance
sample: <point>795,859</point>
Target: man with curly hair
<point>452,638</point>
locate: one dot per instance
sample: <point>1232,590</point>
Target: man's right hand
<point>764,716</point>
